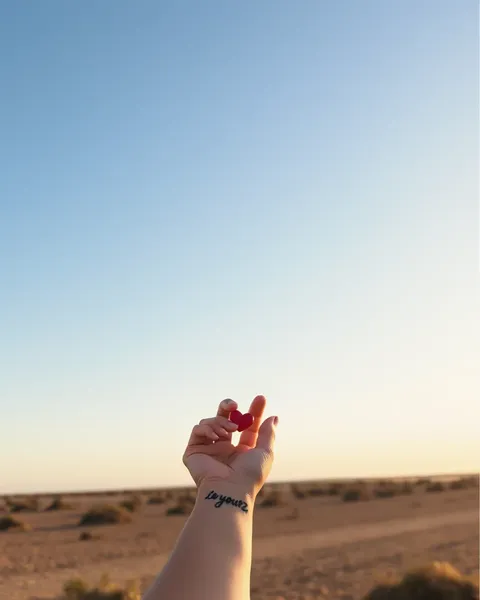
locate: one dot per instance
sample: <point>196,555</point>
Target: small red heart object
<point>243,421</point>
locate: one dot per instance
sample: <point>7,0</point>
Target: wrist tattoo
<point>221,499</point>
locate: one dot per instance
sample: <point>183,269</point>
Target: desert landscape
<point>311,539</point>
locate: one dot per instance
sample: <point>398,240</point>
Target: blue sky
<point>218,199</point>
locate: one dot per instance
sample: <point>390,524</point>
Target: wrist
<point>223,493</point>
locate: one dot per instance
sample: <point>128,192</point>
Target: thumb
<point>266,434</point>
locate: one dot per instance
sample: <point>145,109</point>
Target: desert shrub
<point>435,486</point>
<point>77,589</point>
<point>439,581</point>
<point>406,488</point>
<point>385,492</point>
<point>335,489</point>
<point>180,508</point>
<point>297,492</point>
<point>463,483</point>
<point>156,499</point>
<point>316,490</point>
<point>133,503</point>
<point>58,503</point>
<point>27,504</point>
<point>88,536</point>
<point>423,481</point>
<point>8,523</point>
<point>105,514</point>
<point>271,499</point>
<point>188,498</point>
<point>356,494</point>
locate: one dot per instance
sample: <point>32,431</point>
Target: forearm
<point>213,555</point>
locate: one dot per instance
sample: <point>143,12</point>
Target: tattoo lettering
<point>221,499</point>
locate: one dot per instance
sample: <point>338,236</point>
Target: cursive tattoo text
<point>221,499</point>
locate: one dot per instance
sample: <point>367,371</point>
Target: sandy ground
<point>330,549</point>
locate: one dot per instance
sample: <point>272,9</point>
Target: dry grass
<point>58,503</point>
<point>9,523</point>
<point>77,589</point>
<point>464,483</point>
<point>27,504</point>
<point>157,499</point>
<point>435,487</point>
<point>105,514</point>
<point>438,581</point>
<point>356,494</point>
<point>133,503</point>
<point>180,508</point>
<point>272,498</point>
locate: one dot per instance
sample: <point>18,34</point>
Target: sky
<point>216,200</point>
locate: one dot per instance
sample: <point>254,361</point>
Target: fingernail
<point>275,421</point>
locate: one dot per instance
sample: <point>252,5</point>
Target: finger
<point>222,421</point>
<point>222,426</point>
<point>249,436</point>
<point>225,407</point>
<point>266,434</point>
<point>202,434</point>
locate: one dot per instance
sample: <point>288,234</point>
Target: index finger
<point>226,407</point>
<point>249,436</point>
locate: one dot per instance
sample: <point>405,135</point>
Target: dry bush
<point>390,489</point>
<point>27,504</point>
<point>180,508</point>
<point>77,589</point>
<point>58,503</point>
<point>8,523</point>
<point>157,499</point>
<point>423,481</point>
<point>271,498</point>
<point>317,490</point>
<point>435,486</point>
<point>406,488</point>
<point>187,497</point>
<point>463,483</point>
<point>335,489</point>
<point>385,492</point>
<point>88,536</point>
<point>439,581</point>
<point>356,494</point>
<point>105,514</point>
<point>133,503</point>
<point>297,492</point>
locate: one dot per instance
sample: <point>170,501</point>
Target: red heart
<point>243,421</point>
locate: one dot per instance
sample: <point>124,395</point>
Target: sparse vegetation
<point>77,589</point>
<point>335,489</point>
<point>180,508</point>
<point>27,504</point>
<point>297,492</point>
<point>463,483</point>
<point>390,489</point>
<point>316,490</point>
<point>435,487</point>
<point>133,503</point>
<point>271,499</point>
<point>58,503</point>
<point>87,536</point>
<point>439,581</point>
<point>157,499</point>
<point>356,494</point>
<point>9,523</point>
<point>105,514</point>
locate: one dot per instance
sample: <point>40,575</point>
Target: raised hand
<point>210,455</point>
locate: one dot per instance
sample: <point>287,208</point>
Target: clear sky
<point>214,199</point>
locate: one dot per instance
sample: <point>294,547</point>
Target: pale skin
<point>213,554</point>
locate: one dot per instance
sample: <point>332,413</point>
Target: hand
<point>210,455</point>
